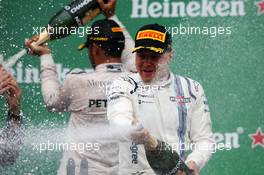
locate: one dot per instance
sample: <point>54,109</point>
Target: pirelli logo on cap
<point>117,29</point>
<point>151,34</point>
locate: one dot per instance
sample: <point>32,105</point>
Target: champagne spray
<point>74,15</point>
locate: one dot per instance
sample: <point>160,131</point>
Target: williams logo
<point>195,8</point>
<point>180,99</point>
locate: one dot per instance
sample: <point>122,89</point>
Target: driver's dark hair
<point>112,49</point>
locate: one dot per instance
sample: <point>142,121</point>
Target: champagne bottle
<point>84,167</point>
<point>77,13</point>
<point>71,167</point>
<point>162,159</point>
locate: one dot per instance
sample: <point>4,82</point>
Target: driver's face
<point>147,63</point>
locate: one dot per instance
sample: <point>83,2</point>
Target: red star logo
<point>260,6</point>
<point>258,138</point>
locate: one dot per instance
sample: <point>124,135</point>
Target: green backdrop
<point>228,65</point>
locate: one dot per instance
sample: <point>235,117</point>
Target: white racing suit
<point>83,95</point>
<point>174,111</point>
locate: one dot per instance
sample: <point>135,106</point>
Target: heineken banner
<point>219,43</point>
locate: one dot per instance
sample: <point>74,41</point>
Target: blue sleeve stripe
<point>182,117</point>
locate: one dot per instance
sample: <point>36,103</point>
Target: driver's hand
<point>192,166</point>
<point>140,136</point>
<point>36,50</point>
<point>108,8</point>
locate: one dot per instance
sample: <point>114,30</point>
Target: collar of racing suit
<point>109,67</point>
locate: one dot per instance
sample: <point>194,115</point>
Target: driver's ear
<point>93,49</point>
<point>171,53</point>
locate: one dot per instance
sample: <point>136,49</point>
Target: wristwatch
<point>14,117</point>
